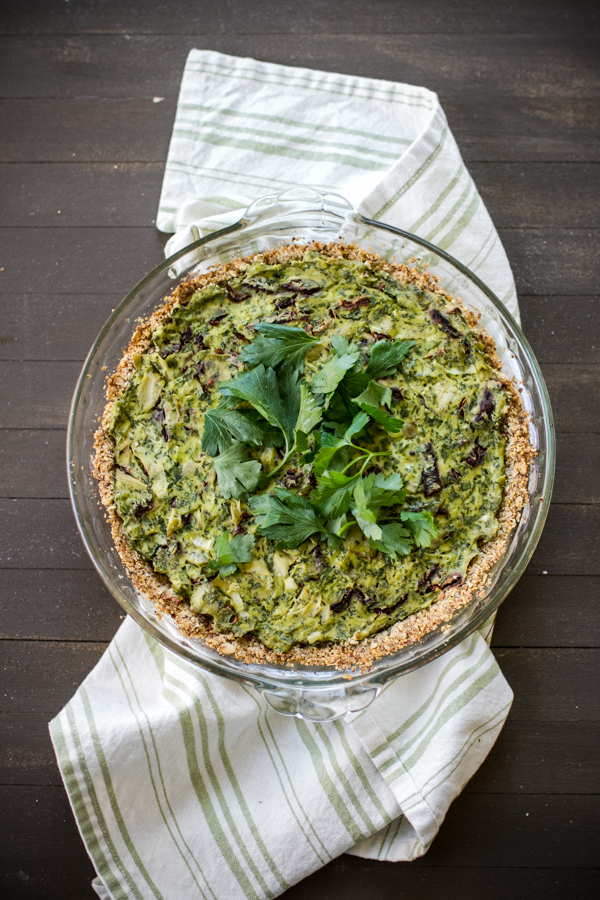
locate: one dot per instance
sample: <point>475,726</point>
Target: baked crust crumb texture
<point>352,653</point>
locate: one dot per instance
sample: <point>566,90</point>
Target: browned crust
<point>352,653</point>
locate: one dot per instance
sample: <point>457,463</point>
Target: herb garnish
<point>320,421</point>
<point>231,552</point>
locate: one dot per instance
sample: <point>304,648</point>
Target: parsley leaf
<point>287,518</point>
<point>342,346</point>
<point>236,474</point>
<point>223,426</point>
<point>389,422</point>
<point>230,552</point>
<point>309,416</point>
<point>327,379</point>
<point>386,356</point>
<point>333,494</point>
<point>366,517</point>
<point>369,401</point>
<point>330,445</point>
<point>386,491</point>
<point>276,344</point>
<point>290,394</point>
<point>421,526</point>
<point>394,540</point>
<point>370,494</point>
<point>375,395</point>
<point>259,387</point>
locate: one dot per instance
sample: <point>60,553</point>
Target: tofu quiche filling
<point>310,451</point>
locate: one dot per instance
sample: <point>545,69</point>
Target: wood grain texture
<point>344,877</point>
<point>138,130</point>
<point>546,747</point>
<point>528,68</point>
<point>71,324</point>
<point>63,604</point>
<point>39,676</point>
<point>127,193</point>
<point>560,329</point>
<point>519,84</point>
<point>550,611</point>
<point>478,829</point>
<point>568,545</point>
<point>74,605</point>
<point>550,261</point>
<point>80,194</point>
<point>37,394</point>
<point>32,464</point>
<point>458,17</point>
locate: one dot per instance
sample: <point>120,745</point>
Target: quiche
<point>311,456</point>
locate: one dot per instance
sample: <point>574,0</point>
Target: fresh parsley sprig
<point>272,401</point>
<point>287,518</point>
<point>277,344</point>
<point>231,552</point>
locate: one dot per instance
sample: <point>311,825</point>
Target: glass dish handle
<point>321,705</point>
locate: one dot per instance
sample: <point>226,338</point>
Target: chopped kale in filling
<point>310,452</point>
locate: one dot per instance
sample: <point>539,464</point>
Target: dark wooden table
<point>87,98</point>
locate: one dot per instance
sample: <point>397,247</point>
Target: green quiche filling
<point>310,452</point>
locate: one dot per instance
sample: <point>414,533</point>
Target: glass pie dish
<point>305,214</point>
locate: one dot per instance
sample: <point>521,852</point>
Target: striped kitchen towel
<point>185,785</point>
<point>245,128</point>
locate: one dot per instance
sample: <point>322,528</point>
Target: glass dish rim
<point>270,677</point>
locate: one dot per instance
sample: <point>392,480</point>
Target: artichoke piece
<point>148,391</point>
<point>129,482</point>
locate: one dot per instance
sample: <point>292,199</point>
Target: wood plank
<point>551,685</point>
<point>348,876</point>
<point>77,261</point>
<point>200,16</point>
<point>516,194</point>
<point>37,394</point>
<point>541,757</point>
<point>81,194</point>
<point>74,605</point>
<point>71,324</point>
<point>574,396</point>
<point>22,475</point>
<point>493,830</point>
<point>569,542</point>
<point>546,757</point>
<point>138,130</point>
<point>90,130</point>
<point>366,880</point>
<point>110,194</point>
<point>578,461</point>
<point>568,545</point>
<point>63,605</point>
<point>43,817</point>
<point>577,467</point>
<point>474,67</point>
<point>561,329</point>
<point>32,464</point>
<point>41,534</point>
<point>549,261</point>
<point>546,611</point>
<point>548,746</point>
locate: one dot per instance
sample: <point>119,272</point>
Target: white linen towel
<point>185,785</point>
